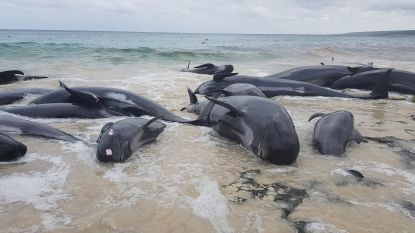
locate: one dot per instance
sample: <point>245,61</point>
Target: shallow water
<point>190,179</point>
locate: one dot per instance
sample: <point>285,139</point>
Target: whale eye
<point>111,132</point>
<point>108,152</point>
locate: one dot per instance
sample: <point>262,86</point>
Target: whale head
<point>279,143</point>
<point>110,146</point>
<point>11,149</point>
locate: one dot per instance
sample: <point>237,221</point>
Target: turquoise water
<point>166,50</point>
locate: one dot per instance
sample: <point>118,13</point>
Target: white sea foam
<point>287,169</point>
<point>116,174</point>
<point>321,227</point>
<point>392,207</point>
<point>83,152</point>
<point>55,221</point>
<point>212,205</point>
<point>340,171</point>
<point>42,190</point>
<point>254,223</point>
<point>391,171</point>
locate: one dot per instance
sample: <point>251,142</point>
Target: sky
<point>210,16</point>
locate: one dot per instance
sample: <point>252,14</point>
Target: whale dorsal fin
<point>150,122</point>
<point>220,76</point>
<point>356,136</point>
<point>192,96</point>
<point>233,110</point>
<point>83,98</point>
<point>318,114</point>
<point>207,65</point>
<point>353,70</point>
<point>381,88</point>
<point>225,69</point>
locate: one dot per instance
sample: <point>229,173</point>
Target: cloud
<point>233,16</point>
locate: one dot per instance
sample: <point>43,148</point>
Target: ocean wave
<point>111,54</point>
<point>328,51</point>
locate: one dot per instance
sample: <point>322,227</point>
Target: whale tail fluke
<point>192,96</point>
<point>318,114</point>
<point>356,136</point>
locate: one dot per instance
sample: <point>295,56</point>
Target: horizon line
<point>213,33</point>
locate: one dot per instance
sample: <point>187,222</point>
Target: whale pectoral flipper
<point>233,110</point>
<point>381,88</point>
<point>207,65</point>
<point>83,98</point>
<point>318,114</point>
<point>356,136</point>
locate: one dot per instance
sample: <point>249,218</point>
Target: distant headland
<point>383,33</point>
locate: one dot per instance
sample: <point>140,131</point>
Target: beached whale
<point>11,149</point>
<point>115,101</point>
<point>323,75</point>
<point>400,81</point>
<point>276,87</point>
<point>11,124</point>
<point>209,68</point>
<point>9,97</point>
<point>60,110</point>
<point>11,76</point>
<point>231,90</point>
<point>118,141</point>
<point>261,125</point>
<point>333,132</point>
